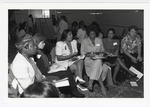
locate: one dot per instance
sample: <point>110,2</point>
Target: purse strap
<point>19,83</point>
<point>16,78</point>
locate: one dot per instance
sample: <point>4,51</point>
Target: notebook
<point>139,74</point>
<point>61,83</point>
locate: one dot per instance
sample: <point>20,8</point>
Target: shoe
<point>132,77</point>
<point>105,95</point>
<point>135,75</point>
<point>83,85</point>
<point>81,88</point>
<point>135,78</point>
<point>107,88</point>
<point>116,83</point>
<point>77,94</point>
<point>78,79</point>
<point>90,89</point>
<point>103,91</point>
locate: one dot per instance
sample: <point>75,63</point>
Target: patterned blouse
<point>130,44</point>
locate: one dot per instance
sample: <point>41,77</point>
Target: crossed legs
<point>119,63</point>
<point>77,68</point>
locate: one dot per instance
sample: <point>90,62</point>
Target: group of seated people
<point>34,77</point>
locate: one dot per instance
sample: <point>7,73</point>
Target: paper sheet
<point>70,62</point>
<point>134,84</point>
<point>62,83</point>
<point>55,68</point>
<point>139,74</point>
<point>81,57</point>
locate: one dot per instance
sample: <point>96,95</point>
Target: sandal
<point>90,89</point>
<point>116,83</point>
<point>78,79</point>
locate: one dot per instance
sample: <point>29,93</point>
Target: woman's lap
<point>60,74</point>
<point>93,68</point>
<point>73,68</point>
<point>78,64</point>
<point>128,61</point>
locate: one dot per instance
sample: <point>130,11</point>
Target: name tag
<point>97,44</point>
<point>115,43</point>
<point>38,56</point>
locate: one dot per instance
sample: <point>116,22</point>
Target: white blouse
<point>62,49</point>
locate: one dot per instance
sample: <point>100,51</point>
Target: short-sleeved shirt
<point>130,44</point>
<point>111,46</point>
<point>63,49</point>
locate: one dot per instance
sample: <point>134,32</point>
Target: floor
<point>124,90</point>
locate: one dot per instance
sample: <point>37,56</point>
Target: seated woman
<point>131,48</point>
<point>66,50</point>
<point>23,67</point>
<point>81,34</point>
<point>112,49</point>
<point>74,29</point>
<point>94,67</point>
<point>44,65</point>
<point>42,89</point>
<point>22,29</point>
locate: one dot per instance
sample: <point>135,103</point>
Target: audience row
<point>76,51</point>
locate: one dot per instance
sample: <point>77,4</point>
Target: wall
<point>78,17</point>
<point>21,15</point>
<point>45,27</point>
<point>121,21</point>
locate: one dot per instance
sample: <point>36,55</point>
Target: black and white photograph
<point>73,52</point>
<point>94,53</point>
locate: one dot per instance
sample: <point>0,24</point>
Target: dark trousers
<point>129,63</point>
<point>64,74</point>
<point>79,47</point>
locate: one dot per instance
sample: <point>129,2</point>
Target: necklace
<point>69,46</point>
<point>93,41</point>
